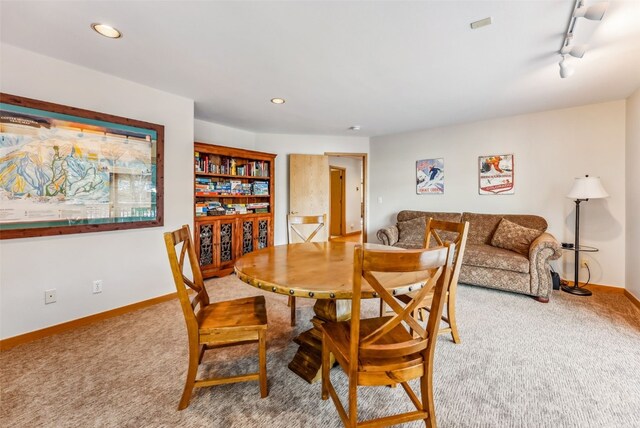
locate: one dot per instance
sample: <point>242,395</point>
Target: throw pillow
<point>512,236</point>
<point>411,232</point>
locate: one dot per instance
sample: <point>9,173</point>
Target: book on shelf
<point>212,187</point>
<point>260,188</point>
<point>236,186</point>
<point>230,166</point>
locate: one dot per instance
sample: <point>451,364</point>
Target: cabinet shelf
<point>212,218</point>
<point>251,177</point>
<point>210,195</point>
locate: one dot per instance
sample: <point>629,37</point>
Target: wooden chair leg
<point>353,402</point>
<point>292,303</point>
<point>451,315</point>
<point>426,392</point>
<point>381,307</point>
<point>262,352</point>
<point>326,362</point>
<point>192,371</point>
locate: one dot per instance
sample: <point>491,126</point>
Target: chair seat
<point>338,333</point>
<point>240,314</point>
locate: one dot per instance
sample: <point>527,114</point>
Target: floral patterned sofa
<point>504,251</point>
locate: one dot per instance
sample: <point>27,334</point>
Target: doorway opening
<point>347,197</point>
<point>337,203</point>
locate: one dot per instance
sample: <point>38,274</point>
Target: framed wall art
<point>430,176</point>
<point>67,170</point>
<point>496,175</point>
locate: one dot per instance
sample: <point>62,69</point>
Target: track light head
<point>565,68</point>
<point>594,12</point>
<point>575,51</point>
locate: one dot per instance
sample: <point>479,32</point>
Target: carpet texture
<point>574,362</point>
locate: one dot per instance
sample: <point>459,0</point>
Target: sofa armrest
<point>388,235</point>
<point>542,250</point>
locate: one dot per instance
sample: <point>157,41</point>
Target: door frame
<point>365,176</point>
<point>343,194</point>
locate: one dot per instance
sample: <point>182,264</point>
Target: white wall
<point>221,135</point>
<point>132,263</point>
<point>285,144</point>
<point>353,189</point>
<point>633,193</point>
<point>551,148</point>
<point>282,145</point>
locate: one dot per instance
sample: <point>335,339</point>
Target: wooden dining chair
<point>444,231</point>
<point>381,351</point>
<point>296,234</point>
<point>214,325</point>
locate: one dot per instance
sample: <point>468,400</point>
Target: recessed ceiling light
<point>354,128</point>
<point>106,30</point>
<point>277,100</point>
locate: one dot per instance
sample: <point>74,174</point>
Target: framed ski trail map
<point>66,170</point>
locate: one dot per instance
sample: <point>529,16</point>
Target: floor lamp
<point>584,188</point>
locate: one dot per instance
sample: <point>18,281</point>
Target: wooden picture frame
<point>430,176</point>
<point>67,170</point>
<point>496,175</point>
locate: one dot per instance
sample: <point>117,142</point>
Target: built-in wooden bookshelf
<point>233,205</point>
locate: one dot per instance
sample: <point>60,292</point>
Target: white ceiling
<point>387,66</point>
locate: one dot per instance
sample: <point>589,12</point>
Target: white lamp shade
<point>594,13</point>
<point>587,188</point>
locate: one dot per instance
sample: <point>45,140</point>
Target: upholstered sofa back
<point>410,215</point>
<point>483,226</point>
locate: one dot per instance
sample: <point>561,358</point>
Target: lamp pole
<point>576,289</point>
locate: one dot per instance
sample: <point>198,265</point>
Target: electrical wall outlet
<point>49,296</point>
<point>97,286</point>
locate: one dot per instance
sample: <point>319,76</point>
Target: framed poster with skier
<point>495,175</point>
<point>430,176</point>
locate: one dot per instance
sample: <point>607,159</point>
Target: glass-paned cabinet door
<point>225,240</point>
<point>248,232</point>
<point>206,247</point>
<point>264,232</point>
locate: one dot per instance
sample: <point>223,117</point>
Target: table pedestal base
<point>307,363</point>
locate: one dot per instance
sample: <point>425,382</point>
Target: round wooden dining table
<point>322,271</point>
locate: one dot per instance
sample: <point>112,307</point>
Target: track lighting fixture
<point>575,51</point>
<point>565,68</point>
<point>594,13</point>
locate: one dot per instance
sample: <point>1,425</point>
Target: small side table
<point>576,289</point>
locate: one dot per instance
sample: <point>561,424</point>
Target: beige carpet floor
<point>574,362</point>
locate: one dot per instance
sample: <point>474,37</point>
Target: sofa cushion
<point>409,215</point>
<point>409,245</point>
<point>483,226</point>
<point>411,232</point>
<point>511,236</point>
<point>493,257</point>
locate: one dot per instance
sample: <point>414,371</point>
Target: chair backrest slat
<point>434,265</point>
<point>293,220</point>
<point>455,233</point>
<point>182,238</point>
